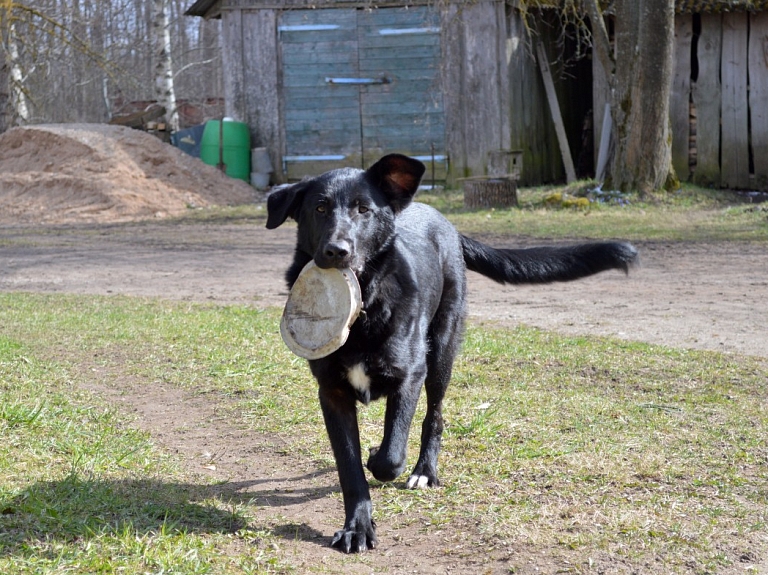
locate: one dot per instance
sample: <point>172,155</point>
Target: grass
<point>583,447</point>
<point>83,492</point>
<point>690,214</point>
<point>600,452</point>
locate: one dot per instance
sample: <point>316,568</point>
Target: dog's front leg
<point>387,461</point>
<point>340,414</point>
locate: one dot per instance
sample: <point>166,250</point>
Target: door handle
<point>366,81</point>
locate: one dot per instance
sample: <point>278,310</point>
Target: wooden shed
<point>329,83</point>
<point>333,83</point>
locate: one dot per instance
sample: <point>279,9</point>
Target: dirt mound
<point>101,173</point>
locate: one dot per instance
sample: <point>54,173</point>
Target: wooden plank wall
<point>706,99</point>
<point>729,96</point>
<point>251,83</point>
<point>680,108</point>
<point>532,130</point>
<point>758,96</point>
<point>734,151</point>
<point>726,144</point>
<point>477,116</point>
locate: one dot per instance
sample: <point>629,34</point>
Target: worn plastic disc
<point>322,306</point>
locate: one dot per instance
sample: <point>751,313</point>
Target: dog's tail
<point>547,264</point>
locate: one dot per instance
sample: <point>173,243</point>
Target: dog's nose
<point>335,253</point>
<point>337,250</point>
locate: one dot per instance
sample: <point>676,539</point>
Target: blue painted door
<point>358,84</point>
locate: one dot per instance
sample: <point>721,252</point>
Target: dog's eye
<point>361,208</point>
<point>321,208</point>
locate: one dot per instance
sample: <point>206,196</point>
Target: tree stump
<point>490,193</point>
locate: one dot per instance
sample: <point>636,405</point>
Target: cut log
<point>490,193</point>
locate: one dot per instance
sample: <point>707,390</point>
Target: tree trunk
<point>4,99</point>
<point>18,100</point>
<point>164,91</point>
<point>641,81</point>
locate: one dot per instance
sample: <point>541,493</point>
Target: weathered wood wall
<point>531,126</point>
<point>727,91</point>
<point>734,148</point>
<point>758,96</point>
<point>475,88</point>
<point>680,105</point>
<point>706,99</point>
<point>251,81</point>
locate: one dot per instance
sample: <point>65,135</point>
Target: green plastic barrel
<point>235,149</point>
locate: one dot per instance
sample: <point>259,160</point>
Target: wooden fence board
<point>758,96</point>
<point>706,98</point>
<point>734,147</point>
<point>679,105</point>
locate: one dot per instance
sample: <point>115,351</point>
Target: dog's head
<point>347,216</point>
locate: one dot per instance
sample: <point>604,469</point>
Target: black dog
<point>411,264</point>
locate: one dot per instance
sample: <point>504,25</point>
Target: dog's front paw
<point>417,481</point>
<point>383,466</point>
<point>358,536</point>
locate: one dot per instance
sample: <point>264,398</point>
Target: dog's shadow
<point>77,508</point>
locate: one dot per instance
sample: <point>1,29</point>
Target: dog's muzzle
<point>334,254</point>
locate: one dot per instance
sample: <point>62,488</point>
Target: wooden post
<point>758,95</point>
<point>554,107</point>
<point>606,134</point>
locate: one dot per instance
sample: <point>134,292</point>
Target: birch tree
<point>639,74</point>
<point>16,108</point>
<point>89,60</point>
<point>164,89</point>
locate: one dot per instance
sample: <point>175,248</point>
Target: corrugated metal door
<point>358,84</point>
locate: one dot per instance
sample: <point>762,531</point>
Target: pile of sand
<point>102,173</point>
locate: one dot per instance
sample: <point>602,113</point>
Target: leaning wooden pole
<point>554,107</point>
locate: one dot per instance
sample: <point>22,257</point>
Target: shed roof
<point>200,8</point>
<point>204,7</point>
<point>681,6</point>
<point>720,5</point>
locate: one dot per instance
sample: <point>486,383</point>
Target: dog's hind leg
<point>340,414</point>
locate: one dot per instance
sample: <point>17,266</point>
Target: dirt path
<point>704,296</point>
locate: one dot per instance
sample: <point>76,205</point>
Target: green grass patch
<point>83,492</point>
<point>583,445</point>
<point>575,211</point>
<point>690,214</point>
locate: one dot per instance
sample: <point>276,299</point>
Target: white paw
<point>417,482</point>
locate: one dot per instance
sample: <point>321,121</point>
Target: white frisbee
<point>322,306</point>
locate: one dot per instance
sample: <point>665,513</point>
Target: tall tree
<point>640,78</point>
<point>164,89</point>
<point>16,99</point>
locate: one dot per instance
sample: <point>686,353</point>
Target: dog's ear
<point>284,203</point>
<point>398,176</point>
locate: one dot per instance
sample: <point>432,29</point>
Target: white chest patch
<point>358,378</point>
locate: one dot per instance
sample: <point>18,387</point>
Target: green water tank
<point>229,141</point>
